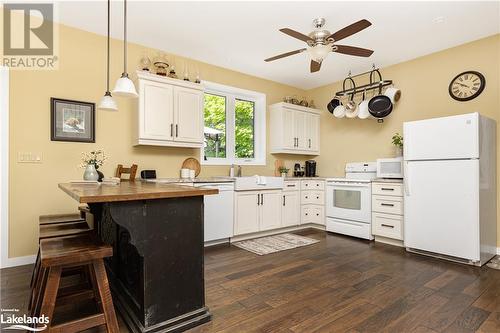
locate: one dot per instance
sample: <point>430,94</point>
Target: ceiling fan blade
<point>279,56</point>
<point>352,50</point>
<point>315,66</point>
<point>350,30</point>
<point>296,34</point>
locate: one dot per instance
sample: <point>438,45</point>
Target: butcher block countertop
<point>130,191</point>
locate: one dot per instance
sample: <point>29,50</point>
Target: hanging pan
<point>379,106</point>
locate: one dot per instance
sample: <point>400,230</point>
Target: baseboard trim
<point>18,261</point>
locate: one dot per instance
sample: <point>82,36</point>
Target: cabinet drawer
<point>291,185</point>
<point>313,185</point>
<point>390,226</point>
<point>313,214</point>
<point>387,189</point>
<point>387,204</point>
<point>312,197</point>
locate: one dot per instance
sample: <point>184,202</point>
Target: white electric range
<point>348,201</point>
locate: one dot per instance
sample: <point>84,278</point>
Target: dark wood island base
<point>157,270</point>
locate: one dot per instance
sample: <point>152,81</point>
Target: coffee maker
<point>310,168</point>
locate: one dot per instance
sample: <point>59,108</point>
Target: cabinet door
<point>301,130</point>
<point>246,211</point>
<point>270,210</point>
<point>156,115</point>
<point>290,212</point>
<point>188,111</point>
<point>312,132</point>
<point>289,138</point>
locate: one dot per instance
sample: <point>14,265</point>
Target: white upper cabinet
<point>170,112</point>
<point>294,129</point>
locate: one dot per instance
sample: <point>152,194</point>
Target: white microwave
<point>390,167</point>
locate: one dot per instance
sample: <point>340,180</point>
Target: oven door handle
<point>349,185</point>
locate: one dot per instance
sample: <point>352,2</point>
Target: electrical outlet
<point>29,157</point>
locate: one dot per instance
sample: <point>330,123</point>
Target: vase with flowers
<point>91,162</point>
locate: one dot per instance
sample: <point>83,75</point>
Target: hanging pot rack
<point>366,87</point>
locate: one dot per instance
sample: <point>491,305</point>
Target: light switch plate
<point>29,157</point>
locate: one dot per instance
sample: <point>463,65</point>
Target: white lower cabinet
<point>290,212</point>
<point>247,212</point>
<point>257,211</point>
<point>387,212</point>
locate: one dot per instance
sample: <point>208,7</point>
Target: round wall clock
<point>466,86</point>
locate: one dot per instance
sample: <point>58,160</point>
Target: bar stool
<point>57,254</point>
<point>52,226</point>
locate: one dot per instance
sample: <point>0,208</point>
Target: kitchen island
<point>157,270</point>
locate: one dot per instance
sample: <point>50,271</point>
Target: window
<point>234,129</point>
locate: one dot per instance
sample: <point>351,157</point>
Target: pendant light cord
<point>107,74</point>
<point>124,36</point>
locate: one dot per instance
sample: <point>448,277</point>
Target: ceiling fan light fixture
<point>319,52</point>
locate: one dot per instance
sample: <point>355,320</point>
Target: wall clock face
<point>466,86</point>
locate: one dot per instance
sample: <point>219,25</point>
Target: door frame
<point>4,166</point>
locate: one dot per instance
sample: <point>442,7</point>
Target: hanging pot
<point>351,109</point>
<point>363,107</point>
<point>380,106</point>
<point>333,104</point>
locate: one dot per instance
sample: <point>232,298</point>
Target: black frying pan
<point>379,106</point>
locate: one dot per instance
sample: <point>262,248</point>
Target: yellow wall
<point>424,85</point>
<point>81,76</point>
<point>33,187</point>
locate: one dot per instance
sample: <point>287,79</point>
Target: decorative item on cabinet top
<point>377,107</point>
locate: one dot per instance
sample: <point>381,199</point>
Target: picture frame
<point>72,121</point>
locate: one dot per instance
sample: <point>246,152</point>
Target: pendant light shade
<point>124,86</point>
<point>107,102</point>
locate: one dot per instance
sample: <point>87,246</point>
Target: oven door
<point>349,201</point>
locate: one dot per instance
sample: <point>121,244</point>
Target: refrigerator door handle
<point>406,179</point>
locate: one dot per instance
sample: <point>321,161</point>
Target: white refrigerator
<point>450,202</point>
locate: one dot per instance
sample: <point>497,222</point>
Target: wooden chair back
<point>120,170</point>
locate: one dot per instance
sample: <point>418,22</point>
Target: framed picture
<point>72,120</point>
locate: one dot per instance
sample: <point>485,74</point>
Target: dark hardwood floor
<point>340,284</point>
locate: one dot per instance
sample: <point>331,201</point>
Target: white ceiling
<point>240,35</point>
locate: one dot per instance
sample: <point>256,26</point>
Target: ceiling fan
<point>321,42</point>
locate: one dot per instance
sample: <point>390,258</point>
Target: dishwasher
<point>218,211</point>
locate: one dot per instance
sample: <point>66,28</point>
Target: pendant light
<point>124,86</point>
<point>107,102</point>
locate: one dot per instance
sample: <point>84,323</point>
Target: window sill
<point>228,163</point>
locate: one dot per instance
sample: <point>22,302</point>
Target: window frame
<point>232,94</point>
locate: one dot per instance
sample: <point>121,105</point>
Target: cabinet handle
<point>388,226</point>
<point>386,204</point>
<point>317,197</point>
<point>262,199</point>
<point>307,197</point>
<point>171,130</point>
<point>309,143</point>
<point>317,214</point>
<point>258,199</point>
<point>387,189</point>
<point>284,200</point>
<point>176,130</point>
<point>307,214</point>
<point>290,185</point>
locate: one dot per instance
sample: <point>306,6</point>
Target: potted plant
<point>397,141</point>
<point>91,162</point>
<point>283,171</point>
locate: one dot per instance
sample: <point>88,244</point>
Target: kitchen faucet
<point>238,173</point>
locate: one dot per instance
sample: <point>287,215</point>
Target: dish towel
<point>260,180</point>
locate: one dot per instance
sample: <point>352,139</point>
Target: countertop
<point>305,178</point>
<point>387,180</point>
<point>130,191</point>
<point>191,180</point>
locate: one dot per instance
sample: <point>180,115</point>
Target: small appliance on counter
<point>310,168</point>
<point>148,174</point>
<point>298,170</point>
<point>390,167</point>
